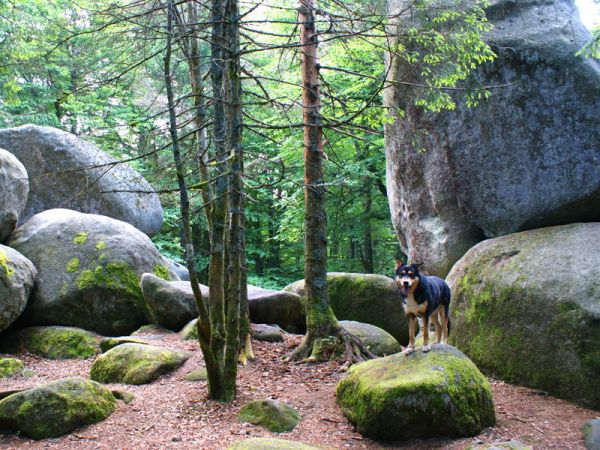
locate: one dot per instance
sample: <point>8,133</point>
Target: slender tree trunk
<point>203,324</point>
<point>324,337</point>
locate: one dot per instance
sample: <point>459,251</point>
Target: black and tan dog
<point>424,296</point>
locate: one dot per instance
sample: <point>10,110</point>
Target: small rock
<point>378,341</point>
<point>266,333</point>
<point>270,444</point>
<point>506,445</point>
<point>189,332</point>
<point>273,415</point>
<point>125,396</point>
<point>52,342</point>
<point>197,375</point>
<point>591,434</point>
<point>10,367</point>
<point>111,342</point>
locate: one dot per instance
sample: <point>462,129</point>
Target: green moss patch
<point>73,265</point>
<point>10,367</point>
<point>162,271</point>
<point>107,343</point>
<point>270,444</point>
<point>53,342</point>
<point>136,364</point>
<point>116,275</point>
<point>273,415</point>
<point>190,331</point>
<point>9,271</point>
<point>80,238</point>
<point>440,393</point>
<point>56,408</point>
<point>197,375</point>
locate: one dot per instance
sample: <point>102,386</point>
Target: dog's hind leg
<point>437,325</point>
<point>426,347</point>
<point>444,319</point>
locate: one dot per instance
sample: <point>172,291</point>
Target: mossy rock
<point>366,298</point>
<point>53,342</point>
<point>506,445</point>
<point>591,434</point>
<point>107,343</point>
<point>266,333</point>
<point>126,396</point>
<point>440,393</point>
<point>136,363</point>
<point>89,269</point>
<point>273,415</point>
<point>270,444</point>
<point>378,341</point>
<point>526,309</point>
<point>56,408</point>
<point>190,331</point>
<point>151,329</point>
<point>10,367</point>
<point>197,375</point>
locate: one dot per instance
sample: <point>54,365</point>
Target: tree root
<point>340,345</point>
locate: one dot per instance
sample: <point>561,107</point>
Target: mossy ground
<point>273,415</point>
<point>440,393</point>
<point>56,408</point>
<point>269,444</point>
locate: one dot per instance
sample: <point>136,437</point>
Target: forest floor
<point>174,413</point>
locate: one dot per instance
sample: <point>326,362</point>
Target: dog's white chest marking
<point>412,307</point>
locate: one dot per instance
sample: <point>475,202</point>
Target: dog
<point>427,297</point>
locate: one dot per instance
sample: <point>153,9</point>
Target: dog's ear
<point>418,265</point>
<point>399,263</point>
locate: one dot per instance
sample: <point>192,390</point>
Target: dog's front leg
<point>426,347</point>
<point>412,325</point>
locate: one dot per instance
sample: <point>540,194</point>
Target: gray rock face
<point>526,308</point>
<point>591,434</point>
<point>276,307</point>
<point>266,333</point>
<point>171,303</point>
<point>378,341</point>
<point>14,188</point>
<point>67,172</point>
<point>526,158</point>
<point>89,270</point>
<point>17,276</point>
<point>366,298</point>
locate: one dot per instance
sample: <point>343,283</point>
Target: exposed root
<point>246,353</point>
<point>341,345</point>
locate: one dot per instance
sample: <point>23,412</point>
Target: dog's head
<point>407,277</point>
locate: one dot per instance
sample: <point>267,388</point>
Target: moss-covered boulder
<point>136,363</point>
<point>197,375</point>
<point>270,444</point>
<point>52,342</point>
<point>440,393</point>
<point>171,303</point>
<point>107,343</point>
<point>591,434</point>
<point>366,298</point>
<point>56,408</point>
<point>378,341</point>
<point>266,333</point>
<point>14,189</point>
<point>526,308</point>
<point>152,329</point>
<point>273,415</point>
<point>190,331</point>
<point>17,276</point>
<point>10,367</point>
<point>89,270</point>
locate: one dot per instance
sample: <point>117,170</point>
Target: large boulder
<point>17,276</point>
<point>136,364</point>
<point>440,393</point>
<point>366,298</point>
<point>526,308</point>
<point>171,304</point>
<point>56,408</point>
<point>282,308</point>
<point>52,342</point>
<point>14,188</point>
<point>524,159</point>
<point>378,341</point>
<point>89,270</point>
<point>67,172</point>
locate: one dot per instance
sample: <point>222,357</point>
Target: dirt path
<point>174,413</point>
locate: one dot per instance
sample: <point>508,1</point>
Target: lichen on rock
<point>273,415</point>
<point>54,342</point>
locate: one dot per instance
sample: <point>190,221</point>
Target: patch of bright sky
<point>589,11</point>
